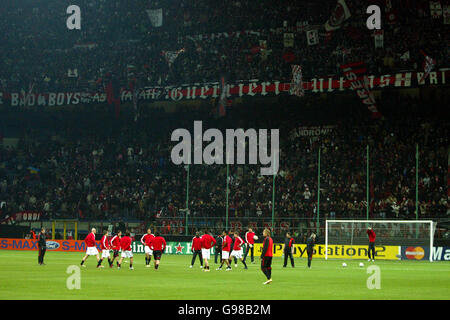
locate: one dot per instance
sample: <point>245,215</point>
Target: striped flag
<point>297,81</point>
<point>355,74</point>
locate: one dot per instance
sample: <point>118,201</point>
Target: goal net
<point>414,237</point>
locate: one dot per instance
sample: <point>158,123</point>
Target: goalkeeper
<point>372,236</point>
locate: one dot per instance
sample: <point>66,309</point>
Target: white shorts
<point>206,254</point>
<point>127,254</point>
<point>105,253</point>
<point>225,255</point>
<point>92,251</point>
<point>237,253</point>
<point>148,250</point>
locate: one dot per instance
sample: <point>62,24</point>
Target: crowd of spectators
<point>85,164</point>
<point>240,39</point>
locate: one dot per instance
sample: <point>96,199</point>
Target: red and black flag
<point>113,93</point>
<point>356,74</point>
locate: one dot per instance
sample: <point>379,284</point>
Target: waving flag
<point>355,73</point>
<point>339,15</point>
<point>297,81</point>
<point>428,65</point>
<point>171,56</point>
<point>156,17</point>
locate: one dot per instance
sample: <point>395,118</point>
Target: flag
<point>135,90</point>
<point>435,9</point>
<point>288,40</point>
<point>297,81</point>
<point>171,56</point>
<point>355,74</point>
<point>338,16</point>
<point>446,14</point>
<point>405,56</point>
<point>156,17</point>
<point>26,95</point>
<point>33,170</point>
<point>113,93</point>
<point>72,73</point>
<point>428,65</point>
<point>222,103</point>
<point>312,37</point>
<point>378,36</point>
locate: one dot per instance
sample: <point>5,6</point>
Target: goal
<point>401,233</point>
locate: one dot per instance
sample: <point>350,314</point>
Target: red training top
<point>115,242</point>
<point>125,243</point>
<point>269,243</point>
<point>208,241</point>
<point>249,237</point>
<point>371,235</point>
<point>146,239</point>
<point>90,240</point>
<point>158,244</point>
<point>196,243</point>
<point>238,242</point>
<point>226,246</point>
<point>104,243</point>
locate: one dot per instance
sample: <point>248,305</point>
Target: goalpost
<point>388,232</point>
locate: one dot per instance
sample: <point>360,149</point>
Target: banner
<point>52,245</point>
<point>22,216</point>
<point>435,9</point>
<point>441,254</point>
<point>339,15</point>
<point>312,131</point>
<point>336,251</point>
<point>236,89</point>
<point>312,37</point>
<point>156,17</point>
<point>355,73</point>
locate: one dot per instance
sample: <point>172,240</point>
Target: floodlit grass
<point>22,278</point>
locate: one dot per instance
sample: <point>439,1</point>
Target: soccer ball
<point>361,264</point>
<point>344,264</point>
<point>255,237</point>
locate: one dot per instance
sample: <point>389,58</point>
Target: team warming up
<point>229,245</point>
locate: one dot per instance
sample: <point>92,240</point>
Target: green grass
<point>22,278</point>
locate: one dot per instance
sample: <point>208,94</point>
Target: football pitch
<point>22,278</point>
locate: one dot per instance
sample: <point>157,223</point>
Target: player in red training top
<point>196,249</point>
<point>145,240</point>
<point>158,245</point>
<point>105,246</point>
<point>372,236</point>
<point>238,252</point>
<point>266,256</point>
<point>250,242</point>
<point>125,246</point>
<point>91,247</point>
<point>115,245</point>
<point>207,242</point>
<point>226,248</point>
